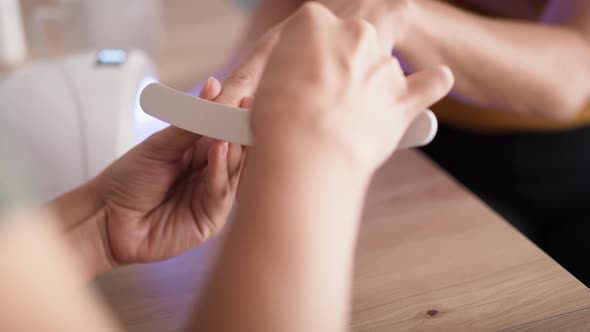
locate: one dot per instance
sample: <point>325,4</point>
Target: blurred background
<point>186,38</point>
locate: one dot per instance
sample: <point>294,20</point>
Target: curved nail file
<point>232,124</point>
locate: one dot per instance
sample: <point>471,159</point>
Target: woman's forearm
<point>525,68</point>
<point>294,239</point>
<point>40,275</point>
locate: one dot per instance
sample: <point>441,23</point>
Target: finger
<point>211,89</point>
<point>426,87</point>
<point>363,35</point>
<point>217,176</point>
<point>243,169</point>
<point>168,144</point>
<point>244,80</point>
<point>187,157</point>
<point>201,152</point>
<point>234,159</point>
<point>247,102</point>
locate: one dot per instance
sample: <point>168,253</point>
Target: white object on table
<point>232,124</point>
<point>73,116</point>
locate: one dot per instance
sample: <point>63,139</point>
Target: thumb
<point>168,144</point>
<point>427,87</point>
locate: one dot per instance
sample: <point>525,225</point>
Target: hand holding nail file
<point>232,124</point>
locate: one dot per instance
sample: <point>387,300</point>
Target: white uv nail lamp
<point>74,115</point>
<point>232,124</point>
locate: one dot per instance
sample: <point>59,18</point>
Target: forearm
<point>515,66</point>
<point>40,276</point>
<point>289,256</point>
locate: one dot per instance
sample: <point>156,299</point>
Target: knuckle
<point>314,14</point>
<point>362,40</point>
<point>306,20</point>
<point>239,78</point>
<point>398,5</point>
<point>313,10</point>
<point>364,27</point>
<point>360,30</point>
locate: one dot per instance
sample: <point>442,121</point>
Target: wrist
<point>284,134</point>
<point>89,240</point>
<point>306,154</point>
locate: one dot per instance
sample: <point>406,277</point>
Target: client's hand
<point>170,193</point>
<point>342,95</point>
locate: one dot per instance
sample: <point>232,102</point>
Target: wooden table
<point>431,256</point>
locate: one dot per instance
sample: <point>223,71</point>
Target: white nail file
<point>232,124</point>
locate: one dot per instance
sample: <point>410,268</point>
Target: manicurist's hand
<point>330,107</point>
<point>170,193</point>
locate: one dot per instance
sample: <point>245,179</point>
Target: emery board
<point>232,124</point>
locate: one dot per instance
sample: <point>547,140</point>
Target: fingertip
<point>217,177</point>
<point>211,89</point>
<point>223,150</point>
<point>216,87</point>
<point>247,102</point>
<point>431,84</point>
<point>219,151</point>
<point>205,89</point>
<point>427,87</point>
<point>447,76</point>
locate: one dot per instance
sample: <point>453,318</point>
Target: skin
<point>272,256</point>
<point>41,281</point>
<point>307,239</point>
<point>169,194</point>
<point>541,72</point>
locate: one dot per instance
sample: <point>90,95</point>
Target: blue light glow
<point>113,57</point>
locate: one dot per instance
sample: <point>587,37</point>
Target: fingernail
<point>224,149</point>
<point>209,83</point>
